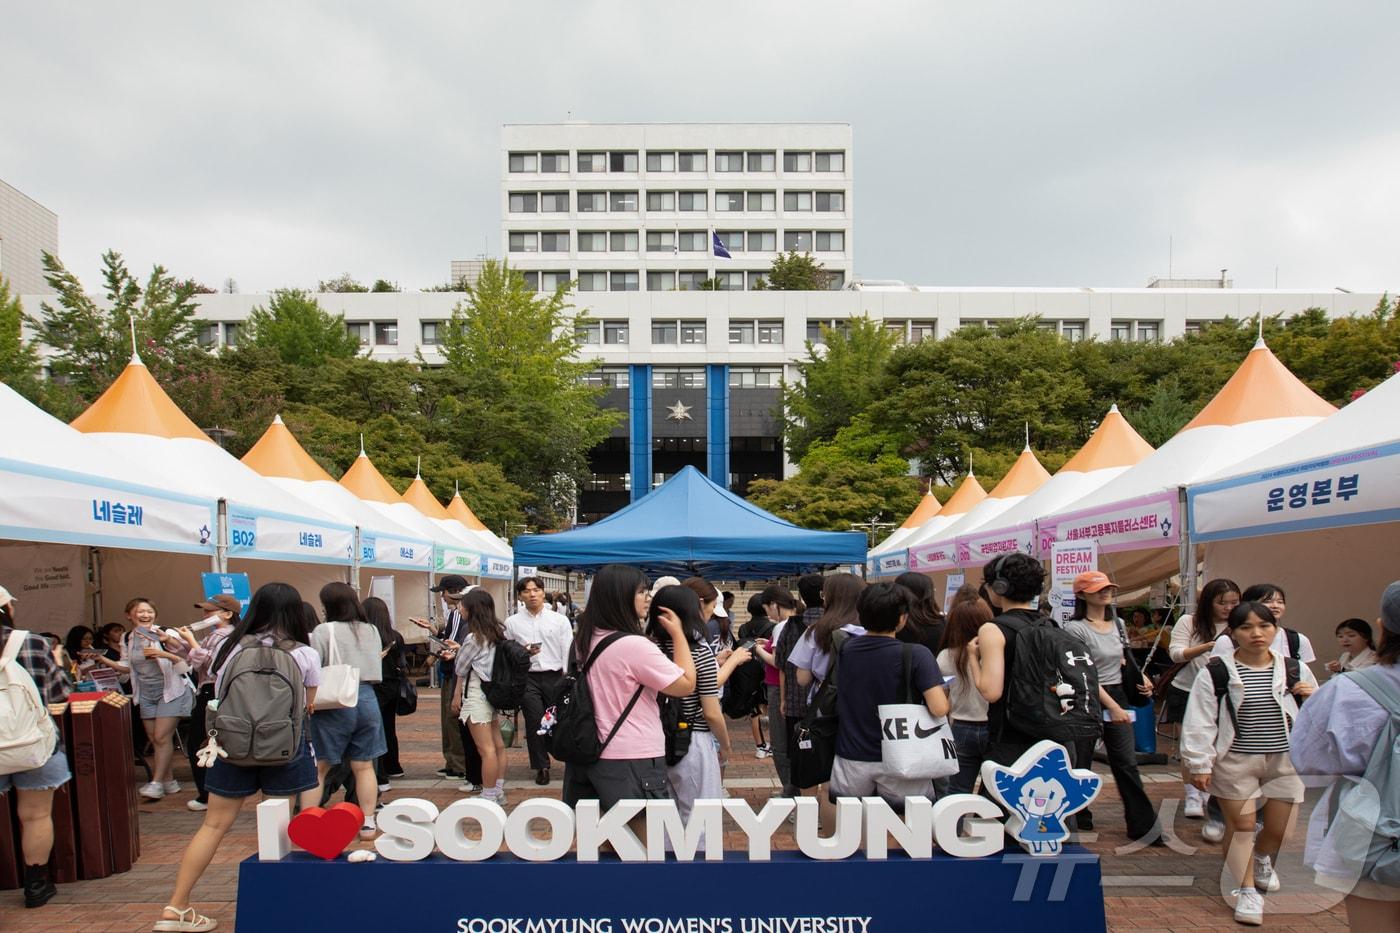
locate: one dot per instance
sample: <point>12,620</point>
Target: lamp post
<point>871,528</point>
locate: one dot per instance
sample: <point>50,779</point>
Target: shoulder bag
<point>340,683</point>
<point>915,744</point>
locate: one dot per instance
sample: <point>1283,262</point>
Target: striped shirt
<point>1260,727</point>
<point>706,681</point>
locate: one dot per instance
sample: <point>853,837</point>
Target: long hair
<point>74,640</point>
<point>924,616</point>
<point>1203,622</point>
<point>479,611</point>
<point>274,610</point>
<point>685,604</point>
<point>840,595</point>
<point>705,591</point>
<point>1360,627</point>
<point>964,621</point>
<point>1081,609</point>
<point>341,604</point>
<point>377,612</point>
<point>611,606</point>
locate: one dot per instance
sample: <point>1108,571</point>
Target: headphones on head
<point>991,575</point>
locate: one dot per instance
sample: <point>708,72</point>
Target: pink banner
<point>938,555</point>
<point>1134,525</point>
<point>978,548</point>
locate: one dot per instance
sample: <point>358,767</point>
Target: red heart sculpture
<point>326,833</point>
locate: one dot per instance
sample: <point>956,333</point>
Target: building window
<point>554,202</point>
<point>554,242</point>
<point>665,332</point>
<point>231,332</point>
<point>831,241</point>
<point>1194,327</point>
<point>831,161</point>
<point>592,202</point>
<point>624,281</point>
<point>662,281</point>
<point>615,333</point>
<point>733,240</point>
<point>693,332</point>
<point>729,161</point>
<point>661,200</point>
<point>762,161</point>
<point>592,242</point>
<point>431,333</point>
<point>592,281</point>
<point>622,161</point>
<point>729,281</point>
<point>532,279</point>
<point>757,280</point>
<point>1149,331</point>
<point>831,201</point>
<point>1073,331</point>
<point>763,241</point>
<point>692,201</point>
<point>386,334</point>
<point>524,202</point>
<point>756,377</point>
<point>524,242</point>
<point>622,201</point>
<point>360,330</point>
<point>691,280</point>
<point>770,332</point>
<point>835,281</point>
<point>678,378</point>
<point>691,162</point>
<point>589,334</point>
<point>550,281</point>
<point>524,162</point>
<point>922,330</point>
<point>661,241</point>
<point>741,332</point>
<point>612,377</point>
<point>797,240</point>
<point>815,325</point>
<point>661,161</point>
<point>797,200</point>
<point>763,201</point>
<point>622,241</point>
<point>592,162</point>
<point>554,161</point>
<point>797,161</point>
<point>729,200</point>
<point>692,241</point>
<point>207,335</point>
<point>1120,330</point>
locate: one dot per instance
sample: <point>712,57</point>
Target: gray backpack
<point>1365,812</point>
<point>261,705</point>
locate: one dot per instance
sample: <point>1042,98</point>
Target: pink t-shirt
<point>613,679</point>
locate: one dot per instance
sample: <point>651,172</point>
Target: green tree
<point>384,285</point>
<point>1164,414</point>
<point>345,282</point>
<point>838,381</point>
<point>19,358</point>
<point>796,272</point>
<point>217,392</point>
<point>92,344</point>
<point>301,332</point>
<point>832,494</point>
<point>512,355</point>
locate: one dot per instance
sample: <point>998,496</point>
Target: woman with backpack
<point>624,678</point>
<point>353,733</point>
<point>958,661</point>
<point>274,619</point>
<point>161,691</point>
<point>391,671</point>
<point>1290,643</point>
<point>474,659</point>
<point>1341,733</point>
<point>1235,743</point>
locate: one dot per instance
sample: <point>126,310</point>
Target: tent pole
<point>221,539</point>
<point>1186,557</point>
<point>95,575</point>
<point>355,561</point>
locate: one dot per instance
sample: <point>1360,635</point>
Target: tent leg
<point>355,561</point>
<point>1186,557</point>
<point>95,577</point>
<point>220,562</point>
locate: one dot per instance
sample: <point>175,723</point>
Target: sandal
<point>189,921</point>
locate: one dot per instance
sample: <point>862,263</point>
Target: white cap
<point>663,581</point>
<point>5,597</point>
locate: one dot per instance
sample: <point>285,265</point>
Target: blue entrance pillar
<point>717,431</point>
<point>639,433</point>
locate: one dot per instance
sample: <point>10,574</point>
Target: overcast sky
<point>996,143</point>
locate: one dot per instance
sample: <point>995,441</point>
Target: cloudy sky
<point>996,143</point>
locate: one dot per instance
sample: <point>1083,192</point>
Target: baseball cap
<point>663,581</point>
<point>1091,581</point>
<point>221,603</point>
<point>452,585</point>
<point>719,609</point>
<point>5,597</point>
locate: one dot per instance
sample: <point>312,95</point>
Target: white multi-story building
<point>28,229</point>
<point>628,207</point>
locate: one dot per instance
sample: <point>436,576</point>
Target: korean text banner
<point>977,549</point>
<point>1134,525</point>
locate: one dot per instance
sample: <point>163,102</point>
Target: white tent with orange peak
<point>940,552</point>
<point>1140,512</point>
<point>1110,451</point>
<point>280,458</point>
<point>962,501</point>
<point>490,560</point>
<point>888,558</point>
<point>463,513</point>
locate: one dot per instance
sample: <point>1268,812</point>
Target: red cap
<point>1091,581</point>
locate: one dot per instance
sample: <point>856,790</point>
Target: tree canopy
<point>299,330</point>
<point>795,272</point>
<point>19,358</point>
<point>839,379</point>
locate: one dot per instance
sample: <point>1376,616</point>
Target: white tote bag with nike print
<point>914,743</point>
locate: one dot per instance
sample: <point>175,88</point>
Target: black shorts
<point>609,780</point>
<point>1175,704</point>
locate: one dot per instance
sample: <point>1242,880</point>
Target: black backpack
<point>1052,689</point>
<point>1220,680</point>
<point>744,691</point>
<point>506,688</point>
<point>573,736</point>
<point>675,726</point>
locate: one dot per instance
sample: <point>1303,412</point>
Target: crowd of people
<point>669,674</point>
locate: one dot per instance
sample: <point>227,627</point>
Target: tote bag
<point>340,683</point>
<point>915,744</point>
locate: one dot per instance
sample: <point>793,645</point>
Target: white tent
<point>889,558</point>
<point>962,501</point>
<point>495,560</point>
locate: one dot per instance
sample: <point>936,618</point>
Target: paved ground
<point>1175,888</point>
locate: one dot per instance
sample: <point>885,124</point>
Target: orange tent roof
<point>368,483</point>
<point>968,494</point>
<point>1025,477</point>
<point>421,498</point>
<point>1261,388</point>
<point>459,510</point>
<point>927,508</point>
<point>136,404</point>
<point>1114,443</point>
<point>277,453</point>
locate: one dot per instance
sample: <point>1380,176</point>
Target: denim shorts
<point>356,734</point>
<point>51,774</point>
<point>295,776</point>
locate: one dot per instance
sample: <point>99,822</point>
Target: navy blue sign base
<point>790,894</point>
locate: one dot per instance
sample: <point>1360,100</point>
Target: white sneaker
<point>195,805</point>
<point>466,787</point>
<point>1213,831</point>
<point>171,787</point>
<point>1265,878</point>
<point>1194,808</point>
<point>152,791</point>
<point>1249,907</point>
<point>368,829</point>
<point>384,787</point>
<point>763,751</point>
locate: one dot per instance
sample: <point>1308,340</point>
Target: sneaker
<point>1213,831</point>
<point>196,805</point>
<point>1265,878</point>
<point>763,751</point>
<point>367,830</point>
<point>1249,907</point>
<point>467,787</point>
<point>398,773</point>
<point>171,787</point>
<point>1194,808</point>
<point>383,787</point>
<point>152,791</point>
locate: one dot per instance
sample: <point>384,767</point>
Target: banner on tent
<point>978,549</point>
<point>1354,488</point>
<point>1067,561</point>
<point>1149,521</point>
<point>255,535</point>
<point>887,565</point>
<point>938,555</point>
<point>496,567</point>
<point>49,581</point>
<point>450,560</point>
<point>395,552</point>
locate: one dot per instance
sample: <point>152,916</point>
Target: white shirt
<point>550,630</point>
<point>1225,647</point>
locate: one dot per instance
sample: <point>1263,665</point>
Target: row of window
<point>599,202</point>
<point>676,241</point>
<point>671,160</point>
<point>740,377</point>
<point>1142,331</point>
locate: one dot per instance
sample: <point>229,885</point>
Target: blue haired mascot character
<point>1038,792</point>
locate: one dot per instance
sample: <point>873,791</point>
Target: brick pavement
<point>1156,889</point>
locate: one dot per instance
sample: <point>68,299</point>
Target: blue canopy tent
<point>692,526</point>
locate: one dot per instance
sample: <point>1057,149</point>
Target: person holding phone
<point>546,634</point>
<point>458,761</point>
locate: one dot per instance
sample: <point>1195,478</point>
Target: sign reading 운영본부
<point>1067,561</point>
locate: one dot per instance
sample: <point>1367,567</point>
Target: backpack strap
<point>906,686</point>
<point>13,644</point>
<point>1377,687</point>
<point>1294,640</point>
<point>1220,680</point>
<point>593,655</point>
<point>1292,672</point>
<point>626,711</point>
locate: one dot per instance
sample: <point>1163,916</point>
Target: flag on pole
<point>718,244</point>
